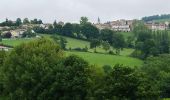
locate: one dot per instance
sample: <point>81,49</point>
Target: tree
<point>127,84</point>
<point>18,21</point>
<point>0,36</point>
<point>7,35</point>
<point>90,31</point>
<point>84,20</point>
<point>28,34</point>
<point>39,21</point>
<point>38,70</point>
<point>76,28</point>
<point>157,69</point>
<point>106,45</point>
<point>67,29</point>
<point>26,68</point>
<point>63,43</point>
<point>26,21</point>
<point>94,44</point>
<point>57,28</point>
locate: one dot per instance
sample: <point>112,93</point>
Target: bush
<point>107,69</point>
<point>7,35</point>
<point>81,49</point>
<point>111,52</point>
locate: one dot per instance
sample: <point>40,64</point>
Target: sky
<point>72,10</point>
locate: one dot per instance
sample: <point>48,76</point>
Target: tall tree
<point>67,29</point>
<point>84,20</point>
<point>90,31</point>
<point>18,21</point>
<point>26,21</point>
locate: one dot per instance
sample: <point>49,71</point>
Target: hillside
<point>93,58</point>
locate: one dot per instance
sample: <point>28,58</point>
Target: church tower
<point>98,21</point>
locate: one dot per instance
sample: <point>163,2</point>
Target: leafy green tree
<point>127,84</point>
<point>7,35</point>
<point>76,28</point>
<point>107,35</point>
<point>157,69</point>
<point>94,44</point>
<point>90,31</point>
<point>26,68</point>
<point>2,58</point>
<point>84,21</point>
<point>130,42</point>
<point>67,29</point>
<point>63,43</point>
<point>106,45</point>
<point>18,21</point>
<point>26,21</point>
<point>28,34</point>
<point>57,28</point>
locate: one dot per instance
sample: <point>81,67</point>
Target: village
<point>127,25</point>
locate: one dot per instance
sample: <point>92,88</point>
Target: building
<point>119,25</point>
<point>103,26</point>
<point>17,33</point>
<point>157,26</point>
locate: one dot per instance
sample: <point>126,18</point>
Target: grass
<point>72,43</point>
<point>127,34</point>
<point>15,42</point>
<point>105,59</point>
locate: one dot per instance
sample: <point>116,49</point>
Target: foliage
<point>156,17</point>
<point>90,31</point>
<point>95,43</point>
<point>106,45</point>
<point>157,68</point>
<point>28,34</point>
<point>84,21</point>
<point>18,21</point>
<point>7,35</point>
<point>67,29</point>
<point>26,67</point>
<point>125,83</point>
<point>26,21</point>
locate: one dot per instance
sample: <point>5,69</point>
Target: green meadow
<point>106,59</point>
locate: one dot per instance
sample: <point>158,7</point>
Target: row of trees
<point>19,22</point>
<point>39,70</point>
<point>151,43</point>
<point>156,17</point>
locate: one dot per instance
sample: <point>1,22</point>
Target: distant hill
<point>157,18</point>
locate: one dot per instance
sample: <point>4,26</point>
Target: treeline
<point>150,43</point>
<point>19,22</point>
<point>39,70</point>
<point>156,17</point>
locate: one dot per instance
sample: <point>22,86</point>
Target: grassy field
<point>72,43</point>
<point>105,59</point>
<point>127,34</point>
<point>15,42</point>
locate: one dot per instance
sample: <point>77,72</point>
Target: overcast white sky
<point>72,10</point>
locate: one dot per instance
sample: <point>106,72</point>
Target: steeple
<point>98,21</point>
